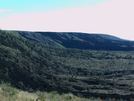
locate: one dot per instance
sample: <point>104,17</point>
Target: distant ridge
<point>79,40</point>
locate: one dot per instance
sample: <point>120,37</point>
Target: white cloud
<point>114,17</point>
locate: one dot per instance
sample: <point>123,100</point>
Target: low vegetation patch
<point>9,93</point>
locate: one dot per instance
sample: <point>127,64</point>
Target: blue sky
<point>28,6</point>
<point>46,4</point>
<point>112,17</point>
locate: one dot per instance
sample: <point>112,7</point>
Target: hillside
<point>79,40</point>
<point>32,66</point>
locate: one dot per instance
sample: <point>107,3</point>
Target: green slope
<point>32,66</point>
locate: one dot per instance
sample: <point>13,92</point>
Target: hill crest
<point>79,40</point>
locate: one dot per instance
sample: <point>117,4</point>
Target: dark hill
<point>32,66</point>
<point>79,40</point>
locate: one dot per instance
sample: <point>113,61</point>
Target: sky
<point>113,17</point>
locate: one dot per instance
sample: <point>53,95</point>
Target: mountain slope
<point>79,40</point>
<point>33,66</point>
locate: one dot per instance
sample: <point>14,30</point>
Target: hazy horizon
<point>113,17</point>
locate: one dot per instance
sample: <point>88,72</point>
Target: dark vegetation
<point>31,66</point>
<point>79,40</point>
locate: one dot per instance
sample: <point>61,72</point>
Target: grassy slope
<point>33,66</point>
<point>8,93</point>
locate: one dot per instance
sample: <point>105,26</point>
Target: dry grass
<point>8,93</point>
<point>23,96</point>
